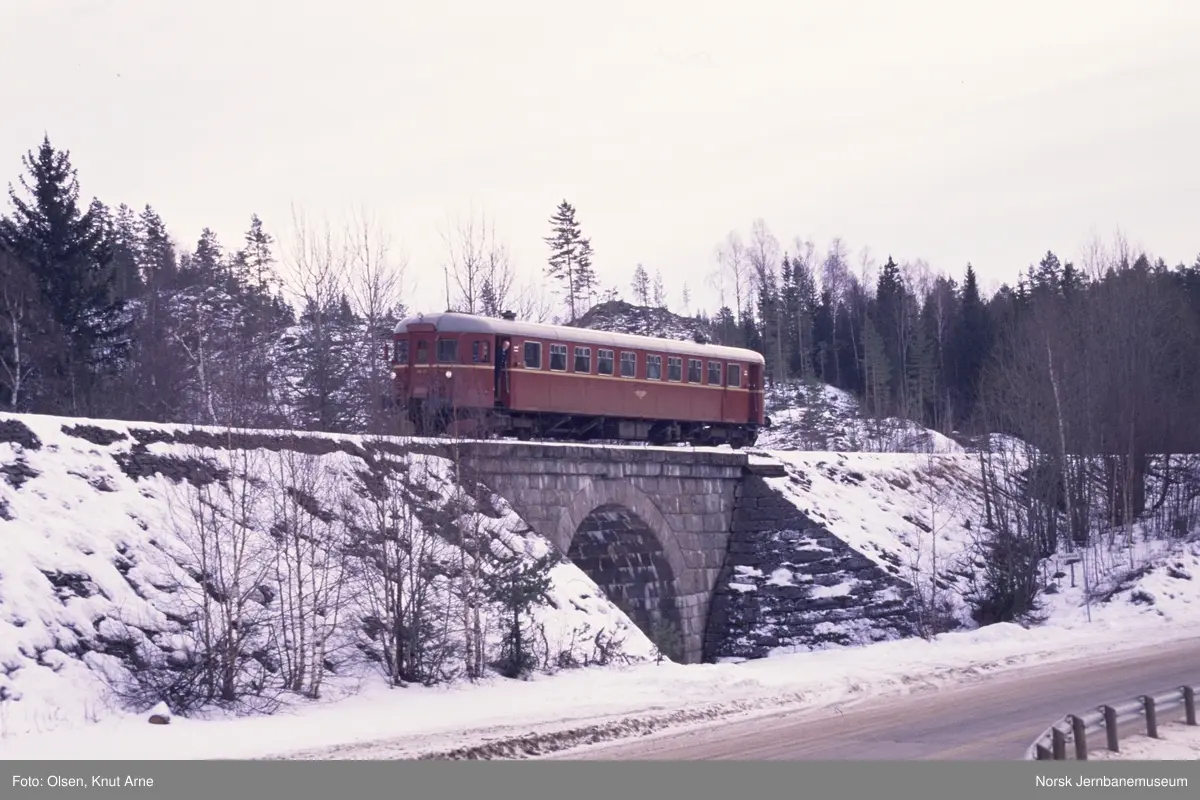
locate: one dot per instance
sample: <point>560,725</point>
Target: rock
<point>769,533</point>
<point>160,715</point>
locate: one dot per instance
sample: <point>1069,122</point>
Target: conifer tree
<point>68,252</point>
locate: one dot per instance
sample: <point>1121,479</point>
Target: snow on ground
<point>818,417</point>
<point>920,514</point>
<point>1177,741</point>
<point>92,561</point>
<point>403,722</point>
<point>84,527</point>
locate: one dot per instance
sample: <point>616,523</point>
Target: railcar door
<point>503,373</point>
<point>422,358</point>
<point>754,382</point>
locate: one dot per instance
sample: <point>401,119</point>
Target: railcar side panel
<point>453,367</point>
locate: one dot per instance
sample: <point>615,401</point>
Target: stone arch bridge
<point>650,526</point>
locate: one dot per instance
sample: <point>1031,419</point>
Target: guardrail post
<point>1151,716</point>
<point>1059,740</point>
<point>1189,704</point>
<point>1110,728</point>
<point>1079,733</point>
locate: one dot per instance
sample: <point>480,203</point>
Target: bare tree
<point>533,303</point>
<point>310,567</point>
<point>733,264</point>
<point>659,290</point>
<point>940,497</point>
<point>24,332</point>
<point>404,593</point>
<point>317,265</point>
<point>222,588</point>
<point>376,287</point>
<point>641,285</point>
<point>477,265</point>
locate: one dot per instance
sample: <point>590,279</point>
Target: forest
<point>103,315</point>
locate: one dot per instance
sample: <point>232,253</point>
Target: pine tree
<point>123,235</point>
<point>156,258</point>
<point>570,260</point>
<point>660,290</point>
<point>207,267</point>
<point>641,285</point>
<point>971,344</point>
<point>69,253</point>
<point>253,264</point>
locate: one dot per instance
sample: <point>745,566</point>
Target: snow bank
<point>91,559</point>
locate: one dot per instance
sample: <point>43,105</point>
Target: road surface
<point>995,718</point>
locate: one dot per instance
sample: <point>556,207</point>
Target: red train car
<point>487,376</point>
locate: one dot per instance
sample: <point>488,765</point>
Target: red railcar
<point>557,382</point>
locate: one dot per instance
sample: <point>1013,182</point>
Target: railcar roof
<point>454,322</point>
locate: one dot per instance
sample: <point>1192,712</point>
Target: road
<point>994,718</point>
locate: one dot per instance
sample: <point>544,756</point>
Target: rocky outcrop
<point>788,583</point>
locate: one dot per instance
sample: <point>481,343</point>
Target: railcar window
<point>714,373</point>
<point>674,368</point>
<point>479,353</point>
<point>735,375</point>
<point>402,351</point>
<point>628,365</point>
<point>422,352</point>
<point>654,368</point>
<point>583,360</point>
<point>604,362</point>
<point>558,357</point>
<point>694,370</point>
<point>447,351</point>
<point>533,355</point>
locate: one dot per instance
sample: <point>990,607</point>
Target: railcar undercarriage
<point>434,419</point>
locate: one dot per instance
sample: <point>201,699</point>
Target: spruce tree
<point>69,253</point>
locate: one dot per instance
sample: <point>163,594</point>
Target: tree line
<point>101,315</point>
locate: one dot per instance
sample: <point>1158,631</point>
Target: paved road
<point>995,718</point>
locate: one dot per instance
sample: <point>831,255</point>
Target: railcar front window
<point>694,370</point>
<point>533,355</point>
<point>402,351</point>
<point>558,357</point>
<point>422,352</point>
<point>604,362</point>
<point>583,360</point>
<point>628,365</point>
<point>735,375</point>
<point>654,368</point>
<point>447,351</point>
<point>714,373</point>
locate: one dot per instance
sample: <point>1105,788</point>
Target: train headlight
<point>449,373</point>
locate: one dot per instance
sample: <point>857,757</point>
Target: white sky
<point>925,129</point>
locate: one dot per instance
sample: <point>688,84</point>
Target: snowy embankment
<point>90,534</point>
<point>104,526</point>
<point>818,417</point>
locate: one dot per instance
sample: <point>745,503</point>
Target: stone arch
<point>619,538</point>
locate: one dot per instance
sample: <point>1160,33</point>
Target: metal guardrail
<point>1077,729</point>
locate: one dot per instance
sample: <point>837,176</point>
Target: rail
<point>1078,729</point>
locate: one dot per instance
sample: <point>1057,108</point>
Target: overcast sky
<point>923,129</point>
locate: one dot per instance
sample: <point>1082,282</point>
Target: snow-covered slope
<point>819,417</point>
<point>921,518</point>
<point>104,527</point>
<point>97,523</point>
